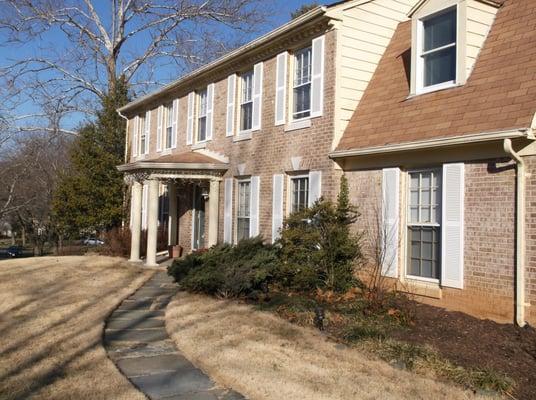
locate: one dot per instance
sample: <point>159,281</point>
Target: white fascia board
<point>435,143</point>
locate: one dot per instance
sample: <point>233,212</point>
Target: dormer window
<point>438,51</point>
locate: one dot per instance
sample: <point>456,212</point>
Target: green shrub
<point>231,271</point>
<point>317,248</point>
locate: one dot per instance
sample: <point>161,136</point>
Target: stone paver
<point>136,340</point>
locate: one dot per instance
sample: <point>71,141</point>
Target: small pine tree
<point>90,195</point>
<point>318,249</point>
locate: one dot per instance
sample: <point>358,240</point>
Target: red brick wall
<point>490,189</point>
<point>269,151</point>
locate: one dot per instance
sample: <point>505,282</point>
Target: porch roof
<point>189,160</point>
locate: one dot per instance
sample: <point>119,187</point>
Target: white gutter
<point>434,143</point>
<point>520,232</point>
<point>265,39</point>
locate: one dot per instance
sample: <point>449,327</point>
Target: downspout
<point>126,136</point>
<point>126,160</point>
<point>520,232</point>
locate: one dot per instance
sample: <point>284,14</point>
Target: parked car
<point>93,242</point>
<point>14,251</point>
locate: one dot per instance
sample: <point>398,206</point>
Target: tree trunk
<point>23,236</point>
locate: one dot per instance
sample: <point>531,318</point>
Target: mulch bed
<point>474,343</point>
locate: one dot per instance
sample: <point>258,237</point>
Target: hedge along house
<point>443,144</point>
<point>242,142</point>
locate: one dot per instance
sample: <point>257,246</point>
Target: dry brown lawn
<point>52,313</point>
<point>267,358</point>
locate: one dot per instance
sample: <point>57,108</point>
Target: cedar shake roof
<point>500,94</point>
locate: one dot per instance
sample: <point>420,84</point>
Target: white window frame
<point>420,88</point>
<point>290,208</point>
<point>237,216</point>
<point>199,115</point>
<point>241,101</point>
<point>293,85</point>
<point>168,126</point>
<point>408,224</point>
<point>142,133</point>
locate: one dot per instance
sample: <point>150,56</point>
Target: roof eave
<point>434,143</point>
<point>147,165</point>
<point>317,12</point>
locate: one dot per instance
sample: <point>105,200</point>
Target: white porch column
<point>213,210</point>
<point>152,223</point>
<point>172,224</point>
<point>135,219</point>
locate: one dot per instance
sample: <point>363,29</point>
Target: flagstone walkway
<point>136,340</point>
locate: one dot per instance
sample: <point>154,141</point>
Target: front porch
<point>193,191</point>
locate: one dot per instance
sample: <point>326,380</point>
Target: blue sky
<point>280,13</point>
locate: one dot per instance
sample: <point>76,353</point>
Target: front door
<point>199,219</point>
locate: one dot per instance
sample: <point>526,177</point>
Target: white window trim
<point>419,59</point>
<point>290,82</point>
<point>288,210</point>
<point>198,116</point>
<point>406,223</point>
<point>237,206</point>
<point>168,109</point>
<point>241,132</point>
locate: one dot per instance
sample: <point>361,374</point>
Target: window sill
<point>166,152</point>
<point>141,157</point>
<point>242,136</point>
<point>422,287</point>
<point>296,125</point>
<point>435,88</point>
<point>200,145</point>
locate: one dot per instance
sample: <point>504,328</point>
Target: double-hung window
<point>246,101</point>
<point>424,224</point>
<point>302,84</point>
<point>438,49</point>
<point>202,116</point>
<point>142,129</point>
<point>168,125</point>
<point>243,212</point>
<point>299,193</point>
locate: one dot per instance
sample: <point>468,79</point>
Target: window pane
<point>202,130</point>
<point>300,193</point>
<point>302,101</point>
<point>440,66</point>
<point>440,31</point>
<point>246,116</point>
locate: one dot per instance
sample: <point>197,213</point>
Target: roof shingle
<point>500,94</point>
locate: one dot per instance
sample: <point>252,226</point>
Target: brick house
<point>443,138</point>
<point>228,150</point>
<point>428,108</point>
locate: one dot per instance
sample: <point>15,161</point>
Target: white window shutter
<point>281,88</point>
<point>317,77</point>
<point>135,136</point>
<point>231,95</point>
<point>228,211</point>
<point>277,206</point>
<point>315,186</point>
<point>190,126</point>
<point>452,225</point>
<point>175,124</point>
<point>390,221</point>
<point>210,110</point>
<point>257,96</point>
<point>160,122</point>
<point>254,199</point>
<point>147,128</point>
